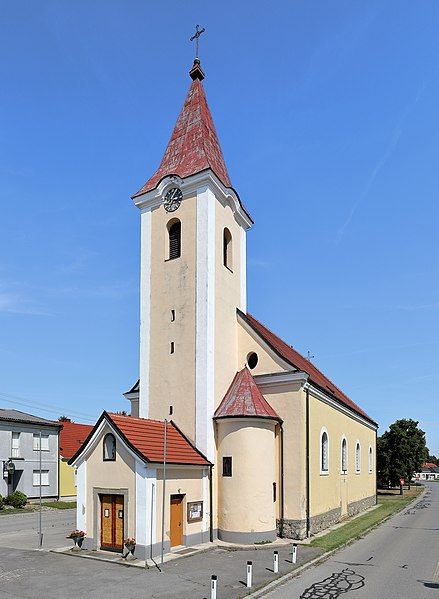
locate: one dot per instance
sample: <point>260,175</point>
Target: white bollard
<point>276,562</point>
<point>294,553</point>
<point>213,583</point>
<point>249,574</point>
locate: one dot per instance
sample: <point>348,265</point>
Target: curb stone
<point>271,586</point>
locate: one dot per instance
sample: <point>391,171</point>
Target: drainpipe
<point>281,490</point>
<point>211,503</point>
<point>308,502</point>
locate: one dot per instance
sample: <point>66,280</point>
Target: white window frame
<point>44,445</point>
<point>370,459</point>
<point>324,471</point>
<point>357,457</point>
<point>44,478</point>
<point>344,438</point>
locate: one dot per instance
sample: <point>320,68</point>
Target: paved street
<point>20,531</point>
<point>399,560</point>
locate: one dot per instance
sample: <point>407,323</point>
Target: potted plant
<point>78,538</point>
<point>130,544</point>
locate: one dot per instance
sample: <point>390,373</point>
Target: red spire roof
<point>243,398</point>
<point>194,144</point>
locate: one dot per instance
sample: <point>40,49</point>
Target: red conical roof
<point>244,399</point>
<point>194,144</point>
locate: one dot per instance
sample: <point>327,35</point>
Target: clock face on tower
<point>173,199</point>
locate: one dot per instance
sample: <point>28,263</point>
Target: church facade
<point>232,433</point>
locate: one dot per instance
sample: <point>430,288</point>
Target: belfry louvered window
<point>174,240</point>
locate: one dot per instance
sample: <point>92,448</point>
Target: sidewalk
<point>189,576</point>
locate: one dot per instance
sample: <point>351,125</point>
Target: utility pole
<point>40,531</point>
<point>164,491</point>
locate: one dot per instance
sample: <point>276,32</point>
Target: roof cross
<point>195,37</point>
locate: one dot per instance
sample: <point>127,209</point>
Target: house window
<point>109,447</point>
<point>227,249</point>
<point>174,232</point>
<point>324,452</point>
<point>15,445</point>
<point>357,457</point>
<point>344,455</point>
<point>44,478</point>
<point>227,466</point>
<point>370,459</point>
<point>44,442</point>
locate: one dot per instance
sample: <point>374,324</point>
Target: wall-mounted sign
<point>194,511</point>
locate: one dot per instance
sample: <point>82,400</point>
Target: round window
<point>252,360</point>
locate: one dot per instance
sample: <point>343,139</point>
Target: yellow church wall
<point>172,376</point>
<point>189,483</point>
<point>67,487</point>
<point>267,359</point>
<point>290,407</point>
<point>227,284</point>
<point>246,510</point>
<point>327,491</point>
<point>114,475</point>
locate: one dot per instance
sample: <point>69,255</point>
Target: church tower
<point>193,276</point>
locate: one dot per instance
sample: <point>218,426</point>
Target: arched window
<point>370,459</point>
<point>227,249</point>
<point>174,232</point>
<point>357,457</point>
<point>109,447</point>
<point>344,455</point>
<point>324,451</point>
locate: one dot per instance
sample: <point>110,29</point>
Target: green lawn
<point>389,502</point>
<point>60,505</point>
<point>32,507</point>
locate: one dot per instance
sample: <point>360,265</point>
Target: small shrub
<point>17,499</point>
<point>2,502</point>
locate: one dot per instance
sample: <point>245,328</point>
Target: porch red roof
<point>71,437</point>
<point>296,360</point>
<point>244,399</point>
<point>146,437</point>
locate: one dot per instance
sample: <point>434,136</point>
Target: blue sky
<point>327,115</point>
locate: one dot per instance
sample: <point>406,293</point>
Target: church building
<point>232,434</point>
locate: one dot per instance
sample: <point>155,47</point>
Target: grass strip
<point>388,504</point>
<point>60,505</point>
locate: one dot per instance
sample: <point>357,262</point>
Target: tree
<point>64,419</point>
<point>401,451</point>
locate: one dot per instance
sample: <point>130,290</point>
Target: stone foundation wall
<point>363,504</point>
<point>322,521</point>
<point>296,529</point>
<point>291,529</point>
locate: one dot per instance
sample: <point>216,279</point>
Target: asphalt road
<point>20,531</point>
<point>398,560</point>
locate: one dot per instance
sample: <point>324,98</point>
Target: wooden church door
<point>112,519</point>
<point>176,517</point>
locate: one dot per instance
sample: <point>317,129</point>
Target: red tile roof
<point>243,398</point>
<point>429,465</point>
<point>296,360</point>
<point>146,437</point>
<point>71,437</point>
<point>194,144</point>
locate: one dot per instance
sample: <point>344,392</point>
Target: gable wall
<point>268,361</point>
<point>118,474</point>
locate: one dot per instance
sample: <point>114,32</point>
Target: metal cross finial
<point>195,37</point>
